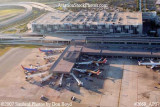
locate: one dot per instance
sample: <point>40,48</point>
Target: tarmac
<point>122,83</point>
<point>11,59</point>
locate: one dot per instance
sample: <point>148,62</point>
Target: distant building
<point>89,22</point>
<point>158,2</point>
<point>158,5</point>
<point>157,20</point>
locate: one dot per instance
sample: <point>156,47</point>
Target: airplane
<point>97,72</point>
<point>29,70</point>
<point>151,63</point>
<point>61,80</point>
<point>49,57</point>
<point>46,78</point>
<point>42,66</point>
<point>93,62</point>
<point>50,50</point>
<point>46,51</point>
<point>80,83</point>
<point>32,70</point>
<point>35,75</point>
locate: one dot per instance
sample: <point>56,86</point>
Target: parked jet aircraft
<point>46,51</point>
<point>80,83</point>
<point>46,78</point>
<point>35,75</point>
<point>61,80</point>
<point>97,72</point>
<point>93,62</point>
<point>51,50</point>
<point>151,63</point>
<point>32,70</point>
<point>29,70</point>
<point>49,57</point>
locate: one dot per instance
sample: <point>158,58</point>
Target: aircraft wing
<point>100,59</point>
<point>152,66</point>
<point>97,64</point>
<point>90,74</point>
<point>151,61</point>
<point>79,70</point>
<point>31,67</point>
<point>82,71</point>
<point>96,70</point>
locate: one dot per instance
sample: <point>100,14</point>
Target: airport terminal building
<point>85,22</point>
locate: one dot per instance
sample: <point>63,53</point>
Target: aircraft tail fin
<point>98,72</point>
<point>22,66</point>
<point>151,61</point>
<point>105,60</point>
<point>39,49</point>
<point>139,63</point>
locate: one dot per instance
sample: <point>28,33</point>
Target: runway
<point>11,59</point>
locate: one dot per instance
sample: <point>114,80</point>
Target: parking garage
<point>85,22</point>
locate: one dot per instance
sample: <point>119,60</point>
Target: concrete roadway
<point>11,59</point>
<point>19,17</point>
<point>28,6</point>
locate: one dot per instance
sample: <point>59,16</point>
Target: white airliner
<point>93,62</point>
<point>36,69</point>
<point>49,57</point>
<point>97,72</point>
<point>151,63</point>
<point>46,78</point>
<point>51,50</point>
<point>61,80</point>
<point>35,75</point>
<point>80,83</point>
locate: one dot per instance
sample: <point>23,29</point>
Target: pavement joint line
<point>120,87</point>
<point>137,84</point>
<point>104,79</point>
